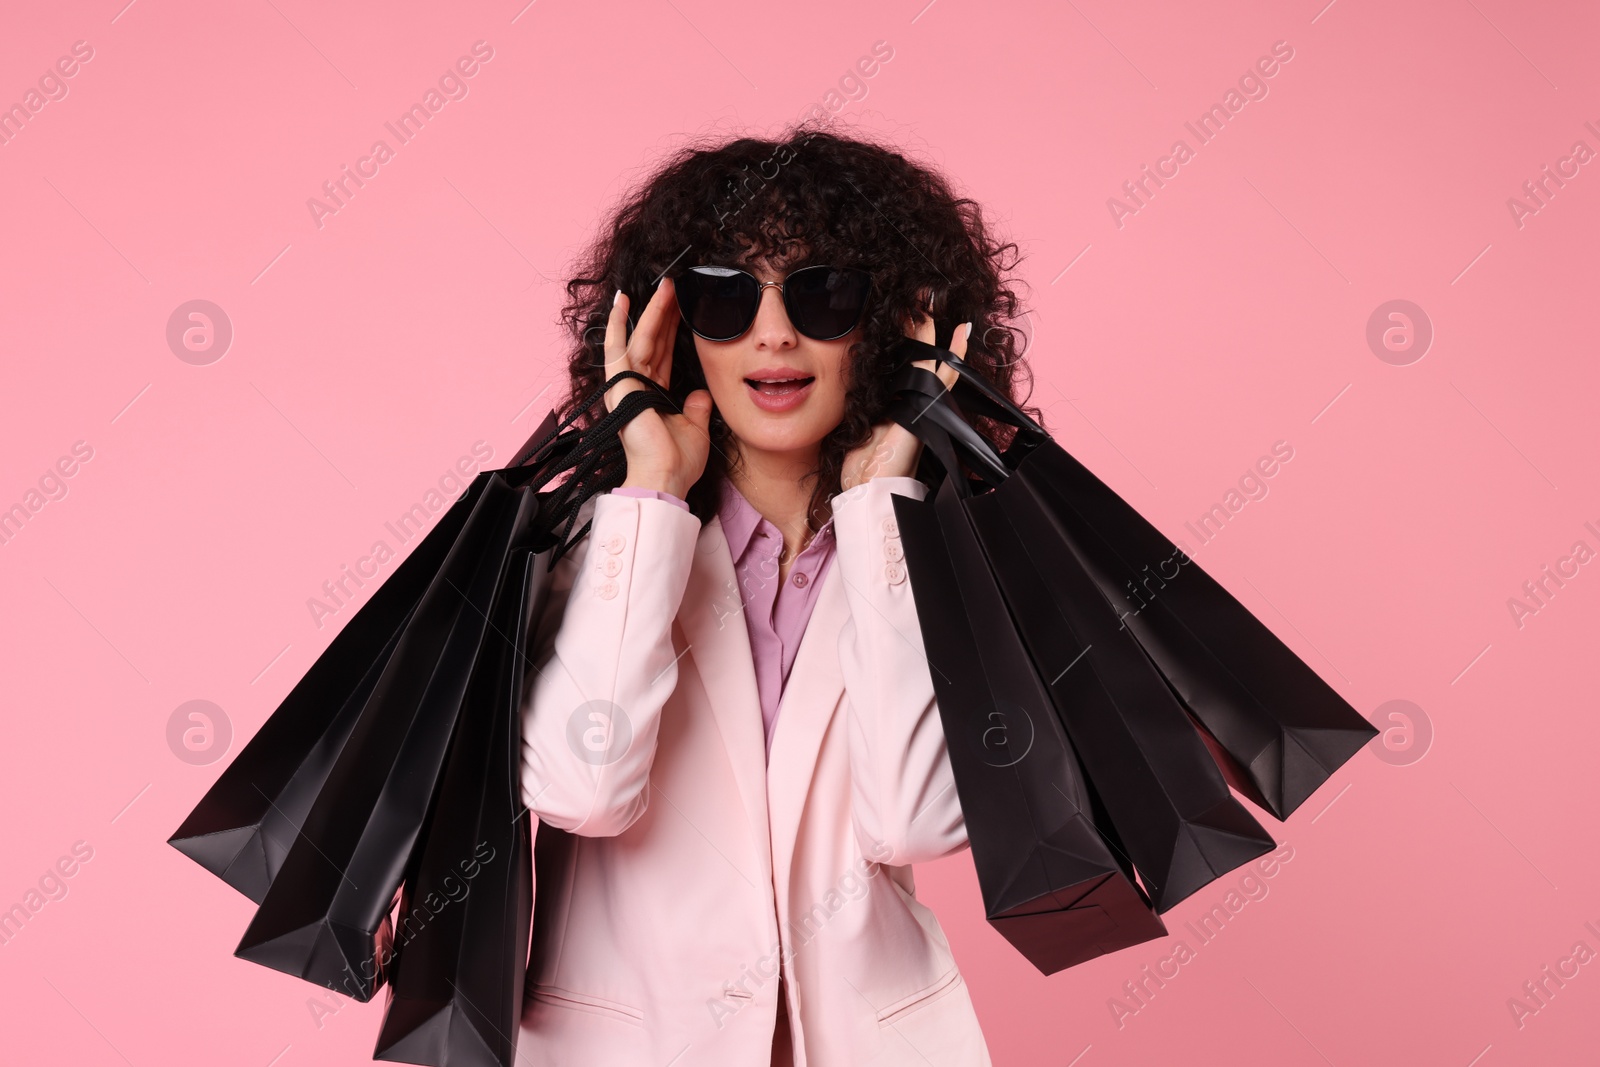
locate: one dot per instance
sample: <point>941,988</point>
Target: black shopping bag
<point>242,828</point>
<point>461,940</point>
<point>324,918</point>
<point>1163,792</point>
<point>321,816</point>
<point>1283,729</point>
<point>1052,881</point>
<point>321,916</point>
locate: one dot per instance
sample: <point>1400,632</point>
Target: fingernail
<point>616,298</point>
<point>968,334</point>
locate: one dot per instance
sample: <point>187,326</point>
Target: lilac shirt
<point>774,617</point>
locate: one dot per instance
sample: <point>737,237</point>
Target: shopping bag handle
<point>976,393</point>
<point>597,447</point>
<point>927,410</point>
<point>937,405</point>
<point>904,410</point>
<point>540,448</point>
<point>581,452</point>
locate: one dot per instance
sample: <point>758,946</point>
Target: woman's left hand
<point>892,451</point>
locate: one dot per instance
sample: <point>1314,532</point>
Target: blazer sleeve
<point>602,666</point>
<point>903,794</point>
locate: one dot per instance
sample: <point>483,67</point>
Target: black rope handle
<point>936,443</point>
<point>599,445</point>
<point>581,452</point>
<point>976,391</point>
<point>925,408</point>
<point>535,450</point>
<point>593,463</point>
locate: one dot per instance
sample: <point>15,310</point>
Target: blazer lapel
<point>713,626</point>
<point>810,698</point>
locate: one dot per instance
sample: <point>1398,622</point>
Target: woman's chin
<point>791,431</point>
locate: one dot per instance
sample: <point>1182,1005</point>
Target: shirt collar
<point>740,520</point>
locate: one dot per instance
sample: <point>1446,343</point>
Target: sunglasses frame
<point>783,288</point>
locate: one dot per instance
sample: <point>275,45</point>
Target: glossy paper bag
<point>321,916</point>
<point>242,828</point>
<point>1278,729</point>
<point>1162,790</point>
<point>1052,882</point>
<point>461,939</point>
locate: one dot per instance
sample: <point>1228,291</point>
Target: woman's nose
<point>772,328</point>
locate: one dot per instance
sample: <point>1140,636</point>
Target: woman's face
<point>778,390</point>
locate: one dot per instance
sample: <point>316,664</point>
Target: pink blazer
<point>694,871</point>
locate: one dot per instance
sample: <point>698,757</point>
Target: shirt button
<point>613,544</point>
<point>895,573</point>
<point>893,551</point>
<point>611,567</point>
<point>607,590</point>
<point>800,579</point>
<point>891,528</point>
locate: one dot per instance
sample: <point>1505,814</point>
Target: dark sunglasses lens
<point>826,302</point>
<point>718,303</point>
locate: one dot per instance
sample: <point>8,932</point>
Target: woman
<point>733,722</point>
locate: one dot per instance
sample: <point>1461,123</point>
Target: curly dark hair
<point>844,201</point>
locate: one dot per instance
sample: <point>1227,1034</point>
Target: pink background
<point>1228,313</point>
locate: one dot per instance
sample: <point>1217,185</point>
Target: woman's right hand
<point>665,451</point>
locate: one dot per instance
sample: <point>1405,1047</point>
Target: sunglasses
<point>824,303</point>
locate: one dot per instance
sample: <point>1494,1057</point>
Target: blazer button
<point>611,567</point>
<point>895,573</point>
<point>607,590</point>
<point>891,528</point>
<point>613,544</point>
<point>893,551</point>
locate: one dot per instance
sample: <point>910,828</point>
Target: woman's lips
<point>781,395</point>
